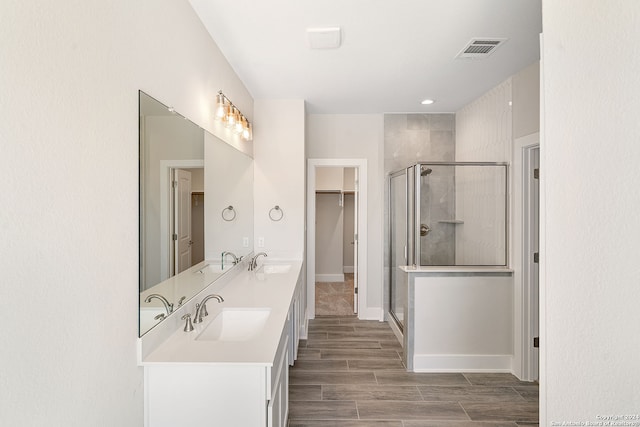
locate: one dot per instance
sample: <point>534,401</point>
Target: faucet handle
<point>203,310</point>
<point>197,318</point>
<point>188,326</point>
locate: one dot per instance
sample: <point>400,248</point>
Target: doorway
<point>330,237</point>
<point>181,214</point>
<point>188,218</point>
<point>336,284</point>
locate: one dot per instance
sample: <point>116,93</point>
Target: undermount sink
<point>235,324</point>
<point>215,268</point>
<point>276,268</point>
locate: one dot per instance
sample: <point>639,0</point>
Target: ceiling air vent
<point>480,48</point>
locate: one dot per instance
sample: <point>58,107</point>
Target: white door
<point>355,243</point>
<point>182,220</point>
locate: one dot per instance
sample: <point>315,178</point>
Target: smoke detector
<point>324,38</point>
<point>480,48</point>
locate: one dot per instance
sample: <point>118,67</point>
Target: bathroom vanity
<point>232,369</point>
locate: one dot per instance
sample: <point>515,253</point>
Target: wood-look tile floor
<point>349,373</point>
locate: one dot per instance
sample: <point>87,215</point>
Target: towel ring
<point>228,213</point>
<point>276,214</point>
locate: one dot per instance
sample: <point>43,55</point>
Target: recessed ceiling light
<point>427,102</point>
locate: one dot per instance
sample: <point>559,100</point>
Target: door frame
<point>361,231</point>
<point>525,297</point>
<point>166,211</point>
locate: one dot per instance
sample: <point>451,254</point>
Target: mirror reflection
<point>184,230</point>
<point>172,192</point>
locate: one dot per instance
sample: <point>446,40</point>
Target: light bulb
<point>231,117</point>
<point>246,133</point>
<point>240,125</point>
<point>220,107</point>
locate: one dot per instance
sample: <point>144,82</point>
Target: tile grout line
<point>518,393</point>
<point>465,377</point>
<point>464,410</point>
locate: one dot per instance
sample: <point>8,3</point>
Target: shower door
<point>460,214</point>
<point>397,244</point>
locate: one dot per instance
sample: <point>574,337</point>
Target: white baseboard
<point>371,313</point>
<point>348,269</point>
<point>329,277</point>
<point>462,363</point>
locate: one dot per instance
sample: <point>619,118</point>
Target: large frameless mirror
<point>196,202</point>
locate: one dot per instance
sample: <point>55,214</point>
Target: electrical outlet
<point>245,242</point>
<point>261,242</point>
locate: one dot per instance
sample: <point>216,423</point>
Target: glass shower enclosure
<point>445,215</point>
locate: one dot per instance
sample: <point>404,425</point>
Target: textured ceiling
<point>394,53</point>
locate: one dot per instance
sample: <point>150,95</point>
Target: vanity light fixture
<point>232,118</point>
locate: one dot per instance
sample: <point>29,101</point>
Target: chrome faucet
<point>235,258</point>
<point>253,264</point>
<point>167,305</point>
<point>201,309</point>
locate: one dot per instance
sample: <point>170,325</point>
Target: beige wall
<point>329,237</point>
<point>70,77</point>
<point>348,235</point>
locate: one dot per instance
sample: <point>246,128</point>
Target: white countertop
<point>246,290</point>
<point>454,269</point>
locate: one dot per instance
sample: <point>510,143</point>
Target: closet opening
<point>336,237</point>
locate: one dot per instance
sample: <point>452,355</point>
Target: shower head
<point>425,172</point>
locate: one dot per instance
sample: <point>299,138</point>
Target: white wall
<point>462,323</point>
<point>69,219</point>
<point>229,182</point>
<point>279,154</point>
<point>357,136</point>
<point>590,176</point>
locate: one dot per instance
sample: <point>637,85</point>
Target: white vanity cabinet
<point>244,384</point>
<point>211,394</point>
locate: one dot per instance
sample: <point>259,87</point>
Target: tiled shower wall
<point>413,138</point>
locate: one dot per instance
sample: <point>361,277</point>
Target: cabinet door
<point>278,407</point>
